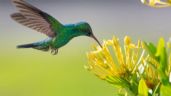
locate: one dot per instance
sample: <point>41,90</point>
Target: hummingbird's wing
<point>36,19</point>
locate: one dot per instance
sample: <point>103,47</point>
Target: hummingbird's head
<point>85,28</point>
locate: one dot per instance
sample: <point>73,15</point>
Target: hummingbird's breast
<point>64,36</point>
<point>60,41</point>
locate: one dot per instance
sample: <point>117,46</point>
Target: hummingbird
<point>58,34</point>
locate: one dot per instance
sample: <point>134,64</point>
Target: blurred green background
<point>34,73</point>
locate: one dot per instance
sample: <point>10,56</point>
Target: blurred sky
<point>34,73</point>
<point>107,17</point>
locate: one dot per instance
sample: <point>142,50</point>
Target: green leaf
<point>163,59</point>
<point>162,55</point>
<point>165,90</point>
<point>161,45</point>
<point>163,66</point>
<point>151,48</point>
<point>142,88</point>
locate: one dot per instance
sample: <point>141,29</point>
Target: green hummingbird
<point>58,34</point>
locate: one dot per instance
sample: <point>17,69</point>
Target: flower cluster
<point>137,69</point>
<point>157,3</point>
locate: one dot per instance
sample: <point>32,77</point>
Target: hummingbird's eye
<point>89,34</point>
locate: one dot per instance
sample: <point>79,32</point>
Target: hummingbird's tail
<point>42,45</point>
<point>27,46</point>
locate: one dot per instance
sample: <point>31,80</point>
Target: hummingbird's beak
<point>96,40</point>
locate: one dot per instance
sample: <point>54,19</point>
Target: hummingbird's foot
<point>54,51</point>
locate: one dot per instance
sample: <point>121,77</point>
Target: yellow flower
<point>125,66</point>
<point>115,61</point>
<point>157,3</point>
<point>150,73</point>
